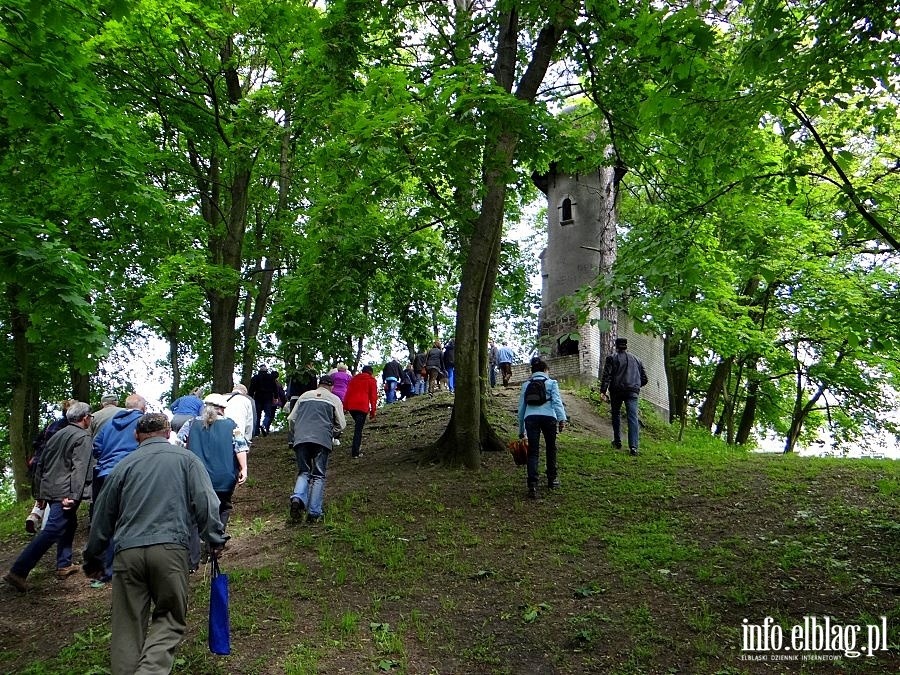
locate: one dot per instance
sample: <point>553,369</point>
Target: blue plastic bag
<point>219,627</point>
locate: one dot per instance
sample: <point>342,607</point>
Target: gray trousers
<point>145,642</point>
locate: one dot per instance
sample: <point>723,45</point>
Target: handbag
<point>519,449</point>
<point>219,628</point>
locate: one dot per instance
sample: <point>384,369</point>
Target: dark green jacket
<point>154,496</point>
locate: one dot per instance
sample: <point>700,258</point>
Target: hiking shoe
<point>553,484</point>
<point>297,508</point>
<point>633,452</point>
<point>532,492</point>
<point>310,518</point>
<point>66,572</point>
<point>16,581</point>
<point>617,445</point>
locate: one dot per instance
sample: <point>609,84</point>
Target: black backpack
<point>536,392</point>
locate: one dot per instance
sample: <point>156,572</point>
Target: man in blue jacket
<point>115,441</point>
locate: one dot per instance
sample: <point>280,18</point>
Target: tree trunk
<point>469,432</point>
<point>258,303</point>
<point>176,364</point>
<point>716,385</point>
<point>81,385</point>
<point>802,410</point>
<point>677,361</point>
<point>748,416</point>
<point>17,438</point>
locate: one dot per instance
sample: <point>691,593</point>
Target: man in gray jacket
<point>60,479</point>
<point>315,420</point>
<point>623,376</point>
<point>151,501</point>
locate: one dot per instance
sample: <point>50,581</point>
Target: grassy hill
<point>648,564</point>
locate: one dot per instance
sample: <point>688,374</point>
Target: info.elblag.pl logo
<point>816,639</point>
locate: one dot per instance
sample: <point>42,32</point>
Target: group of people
<point>427,373</point>
<point>155,494</point>
<point>152,500</point>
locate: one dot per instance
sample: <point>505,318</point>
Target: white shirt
<point>240,409</point>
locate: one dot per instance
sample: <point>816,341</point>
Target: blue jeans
<point>268,415</point>
<point>535,425</point>
<point>631,412</point>
<point>312,462</point>
<point>451,379</point>
<point>59,530</point>
<point>493,376</point>
<point>420,385</point>
<point>390,390</point>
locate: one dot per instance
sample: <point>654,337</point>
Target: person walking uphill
<point>360,400</point>
<point>314,422</point>
<point>222,448</point>
<point>623,376</point>
<point>262,390</point>
<point>60,477</point>
<point>541,411</point>
<point>505,358</point>
<point>114,443</point>
<point>152,501</point>
<point>434,364</point>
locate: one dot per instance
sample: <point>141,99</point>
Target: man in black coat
<point>623,376</point>
<point>262,390</point>
<point>450,363</point>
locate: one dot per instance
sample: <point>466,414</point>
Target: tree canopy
<point>310,181</point>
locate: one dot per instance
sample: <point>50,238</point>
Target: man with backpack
<point>623,376</point>
<point>541,411</point>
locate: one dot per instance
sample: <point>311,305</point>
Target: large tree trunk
<point>469,432</point>
<point>81,385</point>
<point>748,416</point>
<point>713,392</point>
<point>677,361</point>
<point>18,443</point>
<point>175,363</point>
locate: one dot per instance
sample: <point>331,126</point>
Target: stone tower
<point>581,245</point>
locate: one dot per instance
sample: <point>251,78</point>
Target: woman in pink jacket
<point>341,380</point>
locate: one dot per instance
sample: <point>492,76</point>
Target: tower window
<point>565,216</point>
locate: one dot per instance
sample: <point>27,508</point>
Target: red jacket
<point>362,394</point>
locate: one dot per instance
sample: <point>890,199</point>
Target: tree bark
<point>748,416</point>
<point>81,385</point>
<point>469,432</point>
<point>677,361</point>
<point>20,393</point>
<point>801,409</point>
<point>713,392</point>
<point>175,362</point>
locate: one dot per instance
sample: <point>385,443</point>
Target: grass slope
<point>636,565</point>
